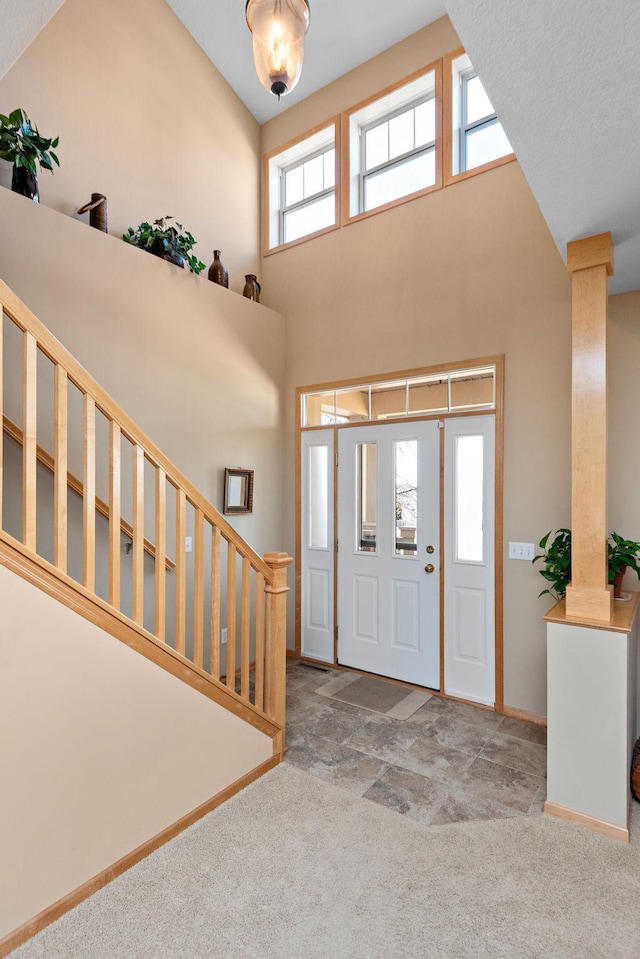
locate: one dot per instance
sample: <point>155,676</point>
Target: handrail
<point>255,616</point>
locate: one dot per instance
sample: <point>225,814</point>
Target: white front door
<point>469,608</point>
<point>389,550</point>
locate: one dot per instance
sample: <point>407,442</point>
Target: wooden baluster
<point>259,672</point>
<point>29,461</point>
<point>89,494</point>
<point>276,642</point>
<point>198,588</point>
<point>161,554</point>
<point>138,536</point>
<point>60,441</point>
<point>245,628</point>
<point>114,513</point>
<point>231,616</point>
<point>181,573</point>
<point>215,602</point>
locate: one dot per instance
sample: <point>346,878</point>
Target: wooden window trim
<point>268,157</point>
<point>447,105</point>
<point>436,68</point>
<point>497,360</point>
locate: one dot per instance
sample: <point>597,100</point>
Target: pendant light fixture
<point>278,28</point>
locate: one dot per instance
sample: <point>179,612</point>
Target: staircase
<point>97,517</point>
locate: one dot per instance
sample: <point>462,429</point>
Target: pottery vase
<point>25,183</point>
<point>218,272</point>
<point>252,288</point>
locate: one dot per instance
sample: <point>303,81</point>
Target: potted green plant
<point>22,145</point>
<point>557,561</point>
<point>166,240</point>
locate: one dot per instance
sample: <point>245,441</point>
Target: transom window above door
<point>450,391</point>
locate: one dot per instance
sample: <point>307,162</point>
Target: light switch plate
<point>521,551</point>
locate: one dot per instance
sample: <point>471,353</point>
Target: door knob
<point>429,568</point>
<point>430,549</point>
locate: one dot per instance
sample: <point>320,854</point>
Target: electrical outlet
<point>521,551</point>
<point>223,635</point>
<point>188,544</point>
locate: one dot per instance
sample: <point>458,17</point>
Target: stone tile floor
<point>448,762</point>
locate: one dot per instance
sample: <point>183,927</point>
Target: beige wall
<point>200,369</point>
<point>101,750</point>
<point>465,272</point>
<point>623,344</point>
<point>145,118</point>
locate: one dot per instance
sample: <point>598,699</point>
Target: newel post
<point>276,638</point>
<point>590,263</point>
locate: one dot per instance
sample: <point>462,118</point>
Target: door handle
<point>429,568</point>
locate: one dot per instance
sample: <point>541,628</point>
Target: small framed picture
<point>238,490</point>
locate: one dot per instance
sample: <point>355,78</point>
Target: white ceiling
<point>562,75</point>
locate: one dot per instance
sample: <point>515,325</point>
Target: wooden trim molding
<point>596,825</point>
<point>523,714</point>
<point>72,899</point>
<point>622,619</point>
<point>498,362</point>
<point>449,177</point>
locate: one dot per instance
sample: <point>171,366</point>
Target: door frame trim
<point>498,361</point>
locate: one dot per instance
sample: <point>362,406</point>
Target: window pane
<point>317,407</point>
<point>408,177</point>
<point>478,103</point>
<point>293,184</point>
<point>425,123</point>
<point>401,134</point>
<point>367,497</point>
<point>389,399</point>
<point>376,143</point>
<point>406,499</point>
<point>307,219</point>
<point>429,395</point>
<point>472,390</point>
<point>486,143</point>
<point>313,176</point>
<point>469,495</point>
<point>329,169</point>
<point>318,511</point>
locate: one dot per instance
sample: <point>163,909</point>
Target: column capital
<point>589,252</point>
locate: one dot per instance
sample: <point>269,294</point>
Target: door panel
<point>470,558</point>
<point>388,514</point>
<point>318,547</point>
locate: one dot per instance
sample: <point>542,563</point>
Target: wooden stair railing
<point>182,603</point>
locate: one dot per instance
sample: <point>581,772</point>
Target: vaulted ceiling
<point>562,75</point>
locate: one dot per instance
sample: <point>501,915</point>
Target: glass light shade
<point>278,28</point>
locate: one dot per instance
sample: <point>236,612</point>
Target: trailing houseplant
<point>556,554</point>
<point>166,240</point>
<point>22,145</point>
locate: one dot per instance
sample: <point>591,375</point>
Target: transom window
<point>307,192</point>
<point>451,391</point>
<point>478,135</point>
<point>393,144</point>
<point>301,184</point>
<point>398,154</point>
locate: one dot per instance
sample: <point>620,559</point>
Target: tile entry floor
<point>448,762</point>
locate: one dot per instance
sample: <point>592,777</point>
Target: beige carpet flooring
<point>294,868</point>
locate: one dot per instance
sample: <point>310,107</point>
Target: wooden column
<point>590,263</point>
<point>276,642</point>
